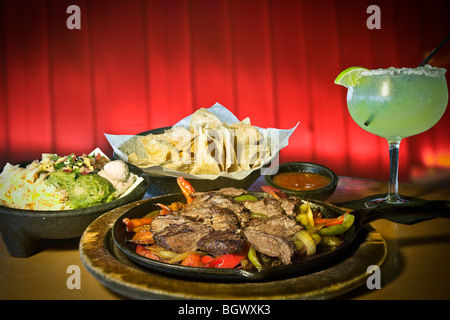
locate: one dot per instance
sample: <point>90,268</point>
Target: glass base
<point>389,199</point>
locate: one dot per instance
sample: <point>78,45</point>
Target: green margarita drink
<point>398,103</point>
<point>394,104</point>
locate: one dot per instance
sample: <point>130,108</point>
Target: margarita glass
<point>394,104</point>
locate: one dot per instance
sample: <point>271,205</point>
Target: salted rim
<point>425,71</point>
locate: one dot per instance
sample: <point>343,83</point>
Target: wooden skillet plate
<point>118,272</point>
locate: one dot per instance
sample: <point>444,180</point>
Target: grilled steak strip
<point>181,237</point>
<point>216,199</point>
<point>289,205</point>
<point>274,207</point>
<point>267,206</point>
<point>221,242</point>
<point>270,245</point>
<point>282,226</point>
<point>159,223</point>
<point>216,217</point>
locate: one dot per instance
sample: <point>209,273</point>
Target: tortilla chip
<point>215,146</point>
<point>157,150</point>
<point>203,162</point>
<point>134,146</point>
<point>134,159</point>
<point>230,161</point>
<point>205,168</point>
<point>202,118</point>
<point>178,136</point>
<point>177,165</point>
<point>258,155</point>
<point>244,130</point>
<point>250,147</point>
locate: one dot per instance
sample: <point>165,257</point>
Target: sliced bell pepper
<point>207,259</point>
<point>141,250</point>
<point>192,260</point>
<point>252,256</point>
<point>143,237</point>
<point>226,261</point>
<point>329,222</point>
<point>186,188</point>
<point>246,197</point>
<point>336,229</point>
<point>274,192</point>
<point>164,209</point>
<point>132,224</point>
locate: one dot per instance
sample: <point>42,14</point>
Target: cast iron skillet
<point>352,239</point>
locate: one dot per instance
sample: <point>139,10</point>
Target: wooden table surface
<point>416,266</point>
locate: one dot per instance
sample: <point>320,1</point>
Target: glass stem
<point>394,147</point>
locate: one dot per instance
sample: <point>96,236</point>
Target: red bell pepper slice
<point>207,259</point>
<point>134,223</point>
<point>186,188</point>
<point>274,192</point>
<point>141,250</point>
<point>226,261</point>
<point>192,260</point>
<point>329,222</point>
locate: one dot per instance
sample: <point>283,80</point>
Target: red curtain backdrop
<point>137,65</point>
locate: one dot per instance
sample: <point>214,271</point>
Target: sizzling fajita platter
<point>230,233</point>
<point>115,267</point>
<point>263,250</point>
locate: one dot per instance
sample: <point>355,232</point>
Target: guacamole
<point>85,190</point>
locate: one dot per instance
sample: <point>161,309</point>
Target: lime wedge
<point>349,77</point>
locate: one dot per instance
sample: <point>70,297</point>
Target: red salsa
<point>300,181</point>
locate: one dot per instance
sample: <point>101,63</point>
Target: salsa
<point>300,181</point>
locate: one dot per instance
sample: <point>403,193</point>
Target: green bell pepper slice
<point>246,197</point>
<point>252,256</point>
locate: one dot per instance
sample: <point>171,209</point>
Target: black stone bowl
<point>317,194</point>
<point>163,184</point>
<point>22,230</point>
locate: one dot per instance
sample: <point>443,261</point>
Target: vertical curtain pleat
<point>142,64</point>
<point>4,113</point>
<point>291,73</point>
<point>430,150</point>
<point>28,113</point>
<point>72,106</point>
<point>169,62</point>
<point>253,67</point>
<point>211,60</point>
<point>118,61</point>
<point>324,65</point>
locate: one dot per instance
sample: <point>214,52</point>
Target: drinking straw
<point>431,55</point>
